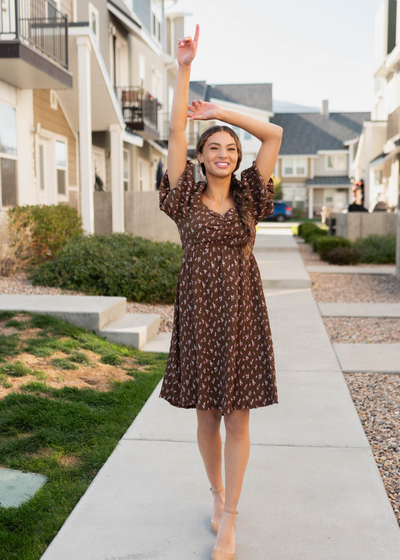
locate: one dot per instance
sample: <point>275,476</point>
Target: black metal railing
<point>192,133</point>
<point>38,22</point>
<point>138,107</point>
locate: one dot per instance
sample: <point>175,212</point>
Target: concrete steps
<point>104,315</point>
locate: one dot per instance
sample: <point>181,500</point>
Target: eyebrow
<point>232,144</point>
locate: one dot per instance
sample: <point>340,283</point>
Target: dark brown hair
<point>240,195</point>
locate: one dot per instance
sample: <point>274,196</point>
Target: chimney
<point>324,109</point>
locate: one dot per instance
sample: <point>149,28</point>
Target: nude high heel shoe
<point>215,524</point>
<point>220,554</point>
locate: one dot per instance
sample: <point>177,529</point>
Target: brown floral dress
<point>221,353</point>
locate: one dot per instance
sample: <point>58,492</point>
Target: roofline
<point>240,106</point>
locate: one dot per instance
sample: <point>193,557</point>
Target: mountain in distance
<point>287,107</point>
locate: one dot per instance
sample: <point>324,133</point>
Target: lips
<point>222,165</point>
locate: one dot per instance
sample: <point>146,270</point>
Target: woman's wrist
<point>185,67</point>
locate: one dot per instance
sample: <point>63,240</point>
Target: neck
<point>218,188</point>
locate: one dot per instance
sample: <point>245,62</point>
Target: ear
<point>200,157</point>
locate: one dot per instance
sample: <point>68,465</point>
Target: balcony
<point>393,124</point>
<point>140,111</point>
<point>34,45</point>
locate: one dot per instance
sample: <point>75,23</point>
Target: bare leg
<point>236,454</point>
<point>210,446</point>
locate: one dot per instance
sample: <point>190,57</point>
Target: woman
<point>221,358</point>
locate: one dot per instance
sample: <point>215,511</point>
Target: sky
<point>309,50</point>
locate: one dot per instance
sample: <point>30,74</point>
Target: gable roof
<point>306,133</point>
<point>258,96</point>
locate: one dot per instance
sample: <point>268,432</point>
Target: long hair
<point>240,195</point>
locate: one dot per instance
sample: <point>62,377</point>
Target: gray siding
<point>143,10</point>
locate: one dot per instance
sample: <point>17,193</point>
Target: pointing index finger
<point>196,34</point>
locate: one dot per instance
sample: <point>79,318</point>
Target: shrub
<point>15,245</point>
<point>377,249</point>
<point>310,232</point>
<point>49,227</point>
<point>344,255</point>
<point>326,244</point>
<point>115,265</point>
<point>298,213</point>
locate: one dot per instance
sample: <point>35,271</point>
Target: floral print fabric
<point>221,353</point>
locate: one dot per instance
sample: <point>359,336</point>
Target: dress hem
<point>193,405</point>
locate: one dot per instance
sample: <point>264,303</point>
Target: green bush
<point>311,230</point>
<point>115,265</point>
<point>377,249</point>
<point>53,226</point>
<point>326,244</point>
<point>313,239</point>
<point>344,255</point>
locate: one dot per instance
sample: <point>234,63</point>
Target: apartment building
<point>85,90</point>
<point>316,157</point>
<point>378,160</point>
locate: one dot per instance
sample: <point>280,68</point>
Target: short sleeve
<point>262,194</point>
<point>176,202</point>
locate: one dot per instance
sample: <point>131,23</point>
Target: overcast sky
<point>308,49</point>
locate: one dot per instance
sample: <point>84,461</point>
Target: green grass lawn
<point>64,432</point>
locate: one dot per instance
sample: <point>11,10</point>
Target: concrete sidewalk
<point>312,489</point>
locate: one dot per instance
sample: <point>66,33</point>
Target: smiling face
<point>219,154</point>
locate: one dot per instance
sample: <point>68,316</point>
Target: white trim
<point>128,180</point>
<point>87,32</point>
<point>74,10</point>
<point>130,25</point>
<point>299,155</point>
<point>162,151</point>
<point>133,139</point>
<point>63,139</point>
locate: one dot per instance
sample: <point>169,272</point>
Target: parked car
<point>282,212</point>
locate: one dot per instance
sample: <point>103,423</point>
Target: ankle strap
<point>230,511</point>
<point>217,491</point>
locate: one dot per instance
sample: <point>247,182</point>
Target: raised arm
<point>269,134</point>
<point>177,143</point>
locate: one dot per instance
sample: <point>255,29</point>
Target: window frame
<point>335,158</point>
<point>155,23</point>
<point>295,167</point>
<point>128,179</point>
<point>13,157</point>
<point>94,11</point>
<point>64,140</point>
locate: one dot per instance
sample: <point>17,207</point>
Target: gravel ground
<point>360,330</point>
<point>20,284</point>
<point>376,397</point>
<point>355,288</point>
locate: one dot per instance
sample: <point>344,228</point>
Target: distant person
<point>221,358</point>
<point>353,207</point>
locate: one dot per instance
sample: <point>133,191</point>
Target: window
<point>156,19</point>
<point>336,161</point>
<point>288,166</point>
<point>126,169</point>
<point>295,167</point>
<point>8,155</point>
<point>301,166</point>
<point>142,70</point>
<point>237,130</point>
<point>247,135</point>
<point>61,164</point>
<point>140,175</point>
<point>94,21</point>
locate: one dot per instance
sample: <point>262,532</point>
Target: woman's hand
<point>203,111</point>
<point>187,48</point>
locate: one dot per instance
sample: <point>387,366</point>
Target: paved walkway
<point>312,489</point>
<point>383,310</point>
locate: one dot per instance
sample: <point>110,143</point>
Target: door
<point>98,168</point>
<point>340,200</point>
